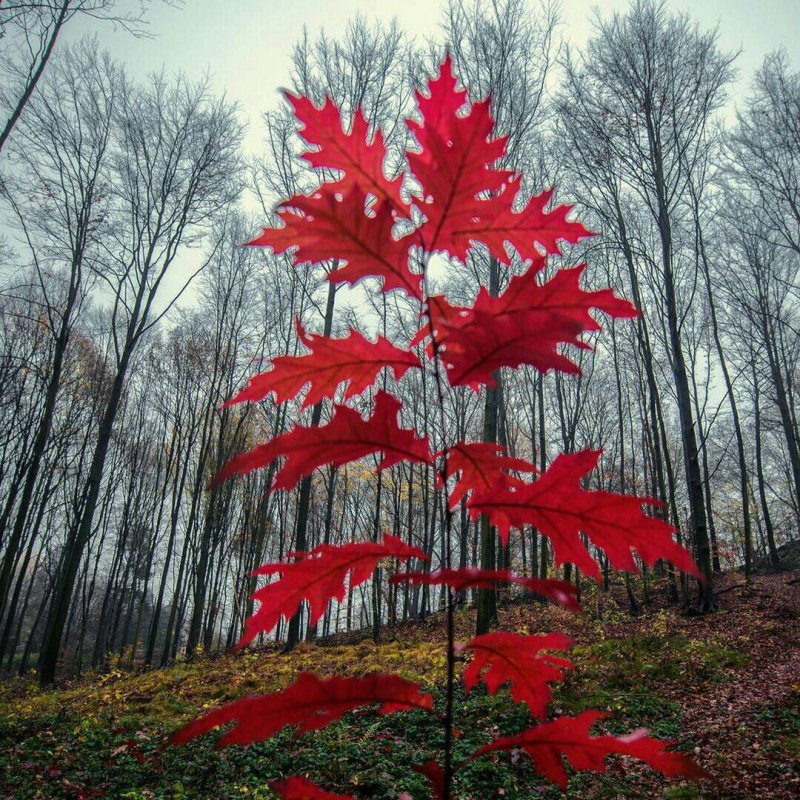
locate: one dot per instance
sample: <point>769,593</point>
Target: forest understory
<point>723,687</point>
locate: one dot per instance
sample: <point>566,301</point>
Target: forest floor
<point>724,687</point>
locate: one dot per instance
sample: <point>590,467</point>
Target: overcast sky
<point>245,44</point>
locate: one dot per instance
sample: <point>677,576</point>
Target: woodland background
<point>130,315</point>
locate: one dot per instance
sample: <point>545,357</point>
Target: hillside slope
<point>725,687</point>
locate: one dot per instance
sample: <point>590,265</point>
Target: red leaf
<point>309,704</point>
<point>441,312</point>
<point>569,737</point>
<point>298,788</point>
<point>480,465</point>
<point>514,658</point>
<point>359,159</point>
<point>440,106</point>
<point>454,163</point>
<point>330,363</point>
<point>474,352</point>
<point>524,230</point>
<point>464,578</point>
<point>322,227</point>
<point>526,324</point>
<point>346,437</point>
<point>561,509</point>
<point>562,295</point>
<point>465,198</point>
<point>435,775</point>
<point>318,577</point>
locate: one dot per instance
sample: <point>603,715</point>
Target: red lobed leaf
<point>454,164</point>
<point>569,737</point>
<point>331,362</point>
<point>474,352</point>
<point>526,324</point>
<point>359,158</point>
<point>309,704</point>
<point>464,578</point>
<point>440,105</point>
<point>479,465</point>
<point>525,230</point>
<point>346,437</point>
<point>322,227</point>
<point>318,577</point>
<point>561,295</point>
<point>561,509</point>
<point>465,197</point>
<point>299,788</point>
<point>518,659</point>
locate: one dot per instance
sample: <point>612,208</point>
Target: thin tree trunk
<point>737,426</point>
<point>304,501</point>
<point>762,489</point>
<point>487,598</point>
<point>34,77</point>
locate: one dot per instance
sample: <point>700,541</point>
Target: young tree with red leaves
<point>454,198</point>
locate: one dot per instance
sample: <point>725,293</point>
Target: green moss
<point>88,730</point>
<point>687,792</point>
<point>791,744</point>
<point>785,717</point>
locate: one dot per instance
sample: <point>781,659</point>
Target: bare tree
<point>654,81</point>
<point>59,199</point>
<point>176,165</point>
<point>31,29</point>
<point>764,149</point>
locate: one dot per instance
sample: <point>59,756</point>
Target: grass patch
<point>105,735</point>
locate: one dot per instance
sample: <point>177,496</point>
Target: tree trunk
<point>79,537</point>
<point>737,426</point>
<point>762,487</point>
<point>304,501</point>
<point>487,598</point>
<point>694,481</point>
<point>34,77</point>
